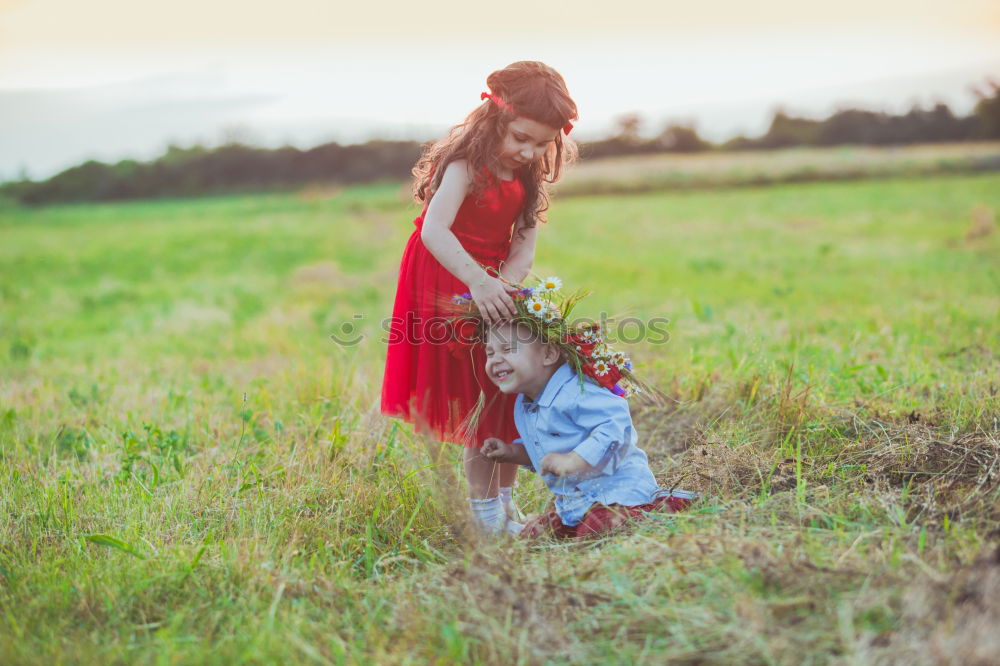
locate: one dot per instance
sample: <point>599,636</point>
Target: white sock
<point>509,507</point>
<point>488,515</point>
<point>506,494</point>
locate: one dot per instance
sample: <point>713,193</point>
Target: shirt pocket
<point>559,434</point>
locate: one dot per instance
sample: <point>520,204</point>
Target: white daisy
<point>536,306</point>
<point>601,368</point>
<point>619,359</point>
<point>549,284</point>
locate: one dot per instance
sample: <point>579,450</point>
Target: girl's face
<point>526,141</point>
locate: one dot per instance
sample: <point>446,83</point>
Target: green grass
<point>191,471</point>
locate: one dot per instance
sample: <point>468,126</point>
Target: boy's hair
<point>537,91</point>
<point>525,333</point>
<point>545,309</point>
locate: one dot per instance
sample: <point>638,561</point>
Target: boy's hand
<point>563,464</point>
<point>500,451</point>
<point>496,449</point>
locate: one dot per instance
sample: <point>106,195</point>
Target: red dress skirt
<point>428,382</point>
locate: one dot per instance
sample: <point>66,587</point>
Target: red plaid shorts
<point>599,519</point>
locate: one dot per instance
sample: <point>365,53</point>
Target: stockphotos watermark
<point>413,329</point>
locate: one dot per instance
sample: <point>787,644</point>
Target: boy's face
<point>518,362</point>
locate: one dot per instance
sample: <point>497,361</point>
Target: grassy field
<point>679,171</point>
<point>191,471</point>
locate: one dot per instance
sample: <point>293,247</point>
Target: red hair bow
<point>504,105</point>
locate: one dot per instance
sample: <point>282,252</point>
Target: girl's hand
<point>564,464</point>
<point>493,298</point>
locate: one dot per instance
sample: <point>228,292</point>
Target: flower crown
<point>545,310</point>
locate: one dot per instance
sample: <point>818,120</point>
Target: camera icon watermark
<point>347,334</point>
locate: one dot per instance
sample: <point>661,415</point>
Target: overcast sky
<point>109,79</point>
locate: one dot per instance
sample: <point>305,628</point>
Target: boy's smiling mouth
<point>500,375</point>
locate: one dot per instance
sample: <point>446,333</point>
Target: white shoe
<point>513,528</point>
<point>513,511</point>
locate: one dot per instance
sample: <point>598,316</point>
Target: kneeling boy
<point>576,434</point>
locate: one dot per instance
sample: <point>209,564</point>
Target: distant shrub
<point>198,170</point>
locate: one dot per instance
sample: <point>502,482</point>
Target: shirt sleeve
<point>605,416</point>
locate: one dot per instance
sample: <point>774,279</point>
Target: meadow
<point>659,172</point>
<point>193,471</point>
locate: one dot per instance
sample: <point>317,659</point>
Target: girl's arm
<point>522,252</point>
<point>489,293</point>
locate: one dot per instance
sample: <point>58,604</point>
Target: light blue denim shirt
<point>596,424</point>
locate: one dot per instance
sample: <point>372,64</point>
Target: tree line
<point>184,172</point>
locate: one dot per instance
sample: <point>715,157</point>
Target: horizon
<point>110,81</point>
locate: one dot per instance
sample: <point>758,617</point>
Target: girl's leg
<point>482,474</point>
<point>508,474</point>
<point>484,490</point>
<point>485,476</point>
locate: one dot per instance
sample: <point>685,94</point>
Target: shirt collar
<point>562,375</point>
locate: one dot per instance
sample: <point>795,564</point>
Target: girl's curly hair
<point>533,89</point>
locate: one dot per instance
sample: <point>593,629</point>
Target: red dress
<point>425,382</point>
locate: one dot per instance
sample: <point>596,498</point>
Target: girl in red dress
<point>484,189</point>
